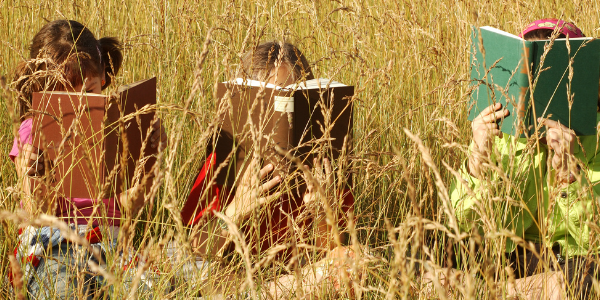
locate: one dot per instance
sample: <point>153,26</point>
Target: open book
<point>94,143</point>
<point>282,121</point>
<point>532,79</point>
<point>298,121</point>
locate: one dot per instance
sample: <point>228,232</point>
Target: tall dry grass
<point>408,61</point>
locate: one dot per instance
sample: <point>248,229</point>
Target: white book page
<point>498,31</point>
<point>572,39</point>
<point>308,85</point>
<point>315,84</point>
<point>70,93</point>
<point>250,82</point>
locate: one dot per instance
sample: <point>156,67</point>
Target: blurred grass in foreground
<point>407,60</point>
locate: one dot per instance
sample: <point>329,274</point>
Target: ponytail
<point>112,58</point>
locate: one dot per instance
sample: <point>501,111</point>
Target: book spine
<point>281,129</point>
<point>284,111</point>
<point>524,80</point>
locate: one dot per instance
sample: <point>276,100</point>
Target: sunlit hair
<point>62,55</point>
<point>259,63</point>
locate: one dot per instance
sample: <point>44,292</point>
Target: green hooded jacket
<point>519,196</point>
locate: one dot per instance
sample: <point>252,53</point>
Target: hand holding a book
<point>30,161</point>
<point>321,175</point>
<point>484,128</point>
<point>158,137</point>
<point>562,141</point>
<point>251,193</point>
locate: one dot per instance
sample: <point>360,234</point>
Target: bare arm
<point>314,197</point>
<point>484,129</point>
<point>30,163</point>
<point>562,142</point>
<point>210,240</point>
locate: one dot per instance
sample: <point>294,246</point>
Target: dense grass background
<point>407,59</point>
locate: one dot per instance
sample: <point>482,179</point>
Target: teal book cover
<point>555,79</point>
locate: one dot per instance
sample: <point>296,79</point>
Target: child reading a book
<point>65,56</point>
<point>280,64</point>
<point>549,187</point>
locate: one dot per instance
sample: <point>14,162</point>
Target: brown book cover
<point>127,125</point>
<point>291,118</point>
<point>93,142</point>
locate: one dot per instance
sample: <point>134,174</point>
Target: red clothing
<point>273,228</point>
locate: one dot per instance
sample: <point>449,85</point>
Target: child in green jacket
<point>542,191</point>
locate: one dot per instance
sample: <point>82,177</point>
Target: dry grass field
<point>409,63</point>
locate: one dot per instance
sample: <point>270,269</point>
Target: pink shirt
<point>72,210</point>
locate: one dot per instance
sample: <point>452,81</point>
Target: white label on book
<point>284,104</point>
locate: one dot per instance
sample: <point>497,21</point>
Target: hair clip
<point>103,82</point>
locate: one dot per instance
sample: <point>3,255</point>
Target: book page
<point>498,31</point>
<point>71,93</point>
<point>250,82</point>
<point>570,39</point>
<point>315,84</point>
<point>308,85</point>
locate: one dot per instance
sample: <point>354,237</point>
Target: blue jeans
<point>64,273</point>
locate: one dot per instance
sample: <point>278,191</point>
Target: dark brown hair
<point>259,63</point>
<point>63,54</point>
<point>541,34</point>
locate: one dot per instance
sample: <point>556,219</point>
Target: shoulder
<point>26,125</point>
<point>25,131</point>
<point>24,137</point>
